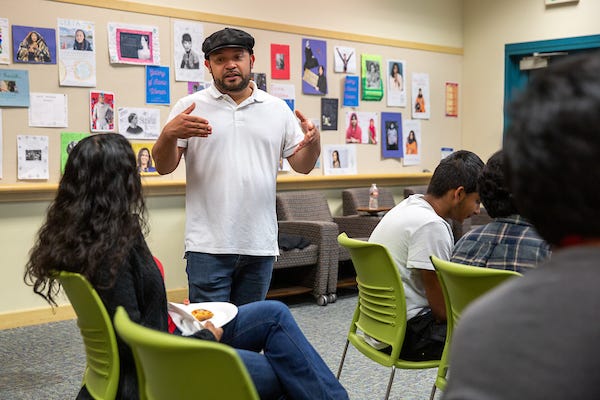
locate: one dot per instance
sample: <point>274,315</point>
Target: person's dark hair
<point>186,37</point>
<point>461,168</point>
<point>552,148</point>
<point>493,190</point>
<point>411,137</point>
<point>98,209</point>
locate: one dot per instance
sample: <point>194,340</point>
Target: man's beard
<point>237,87</point>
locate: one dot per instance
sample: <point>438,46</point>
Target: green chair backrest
<point>175,367</point>
<point>463,283</point>
<point>101,376</point>
<point>381,311</point>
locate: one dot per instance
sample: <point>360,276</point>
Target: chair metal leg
<point>432,395</point>
<point>343,358</point>
<point>389,386</point>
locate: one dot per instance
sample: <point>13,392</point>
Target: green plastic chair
<point>461,284</point>
<point>381,309</point>
<point>101,376</point>
<point>175,367</point>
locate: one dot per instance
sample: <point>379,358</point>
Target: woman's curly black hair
<point>98,211</point>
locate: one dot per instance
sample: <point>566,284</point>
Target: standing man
<point>232,136</point>
<point>414,230</point>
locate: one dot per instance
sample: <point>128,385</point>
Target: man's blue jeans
<point>239,279</point>
<point>289,365</point>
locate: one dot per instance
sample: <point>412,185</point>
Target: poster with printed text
<point>411,138</point>
<point>32,157</point>
<point>133,44</point>
<point>4,41</point>
<point>76,53</point>
<point>314,66</point>
<point>188,55</point>
<point>14,88</point>
<point>396,93</point>
<point>421,104</point>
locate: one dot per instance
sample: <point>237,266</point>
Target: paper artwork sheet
<point>188,55</point>
<point>68,141</point>
<point>48,110</point>
<point>451,99</point>
<point>14,88</point>
<point>158,85</point>
<point>4,41</point>
<point>344,59</point>
<point>329,114</point>
<point>143,155</point>
<point>260,78</point>
<point>391,135</point>
<point>34,45</point>
<point>396,93</point>
<point>1,140</point>
<point>421,104</point>
<point>32,157</point>
<point>102,111</point>
<point>362,127</point>
<point>314,66</point>
<point>280,61</point>
<point>139,123</point>
<point>372,81</point>
<point>339,159</point>
<point>411,138</point>
<point>194,87</point>
<point>285,91</point>
<point>76,53</point>
<point>133,44</point>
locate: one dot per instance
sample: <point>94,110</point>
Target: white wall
<point>488,26</point>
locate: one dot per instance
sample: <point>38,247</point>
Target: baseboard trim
<point>17,319</point>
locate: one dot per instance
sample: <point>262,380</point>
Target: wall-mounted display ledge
<point>45,191</point>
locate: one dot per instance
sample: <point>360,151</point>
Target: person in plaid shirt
<point>509,241</point>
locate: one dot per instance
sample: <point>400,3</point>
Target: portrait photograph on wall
<point>34,45</point>
<point>361,127</point>
<point>372,81</point>
<point>396,91</point>
<point>102,111</point>
<point>187,53</point>
<point>339,159</point>
<point>143,155</point>
<point>133,44</point>
<point>314,66</point>
<point>411,135</point>
<point>391,135</point>
<point>344,60</point>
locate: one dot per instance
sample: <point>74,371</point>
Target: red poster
<point>280,61</point>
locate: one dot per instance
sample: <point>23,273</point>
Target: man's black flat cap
<point>228,37</point>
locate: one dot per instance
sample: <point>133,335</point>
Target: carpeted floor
<point>47,361</point>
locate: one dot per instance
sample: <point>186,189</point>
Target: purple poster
<point>34,45</point>
<point>314,66</point>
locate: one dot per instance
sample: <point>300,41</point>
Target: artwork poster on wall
<point>314,66</point>
<point>143,155</point>
<point>344,59</point>
<point>188,56</point>
<point>372,82</point>
<point>396,92</point>
<point>411,137</point>
<point>280,61</point>
<point>391,135</point>
<point>361,127</point>
<point>102,111</point>
<point>76,53</point>
<point>14,88</point>
<point>421,107</point>
<point>158,86</point>
<point>139,123</point>
<point>32,157</point>
<point>34,45</point>
<point>329,114</point>
<point>4,41</point>
<point>133,44</point>
<point>339,159</point>
<point>68,140</point>
<point>351,84</point>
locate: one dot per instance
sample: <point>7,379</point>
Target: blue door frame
<point>515,79</point>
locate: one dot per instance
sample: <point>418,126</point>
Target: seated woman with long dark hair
<point>96,226</point>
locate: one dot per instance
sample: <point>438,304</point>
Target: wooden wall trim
<point>263,25</point>
<point>26,192</point>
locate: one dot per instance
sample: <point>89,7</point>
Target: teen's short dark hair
<point>461,168</point>
<point>493,189</point>
<point>552,149</point>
